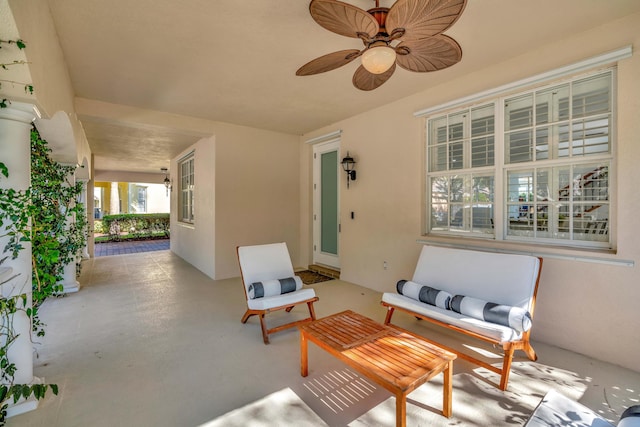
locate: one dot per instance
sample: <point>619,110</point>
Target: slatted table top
<point>396,359</point>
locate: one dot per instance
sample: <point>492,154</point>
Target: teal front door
<point>326,216</point>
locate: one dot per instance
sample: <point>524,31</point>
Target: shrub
<point>136,225</point>
<point>97,226</point>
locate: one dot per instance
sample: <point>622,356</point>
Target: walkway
<point>130,247</point>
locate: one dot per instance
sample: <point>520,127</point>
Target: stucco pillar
<point>114,201</point>
<point>69,282</point>
<point>15,153</point>
<point>88,212</point>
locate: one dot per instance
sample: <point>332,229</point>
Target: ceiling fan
<point>416,24</point>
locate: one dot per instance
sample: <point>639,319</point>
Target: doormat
<point>310,277</point>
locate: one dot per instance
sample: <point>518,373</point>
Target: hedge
<point>135,225</point>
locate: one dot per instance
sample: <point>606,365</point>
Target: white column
<point>114,201</point>
<point>83,200</point>
<point>69,282</point>
<point>15,153</point>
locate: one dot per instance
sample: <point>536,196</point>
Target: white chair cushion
<point>264,262</point>
<point>281,300</point>
<point>630,417</point>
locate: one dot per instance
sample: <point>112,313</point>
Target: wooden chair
<point>263,263</point>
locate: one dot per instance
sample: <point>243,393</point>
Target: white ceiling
<point>235,61</point>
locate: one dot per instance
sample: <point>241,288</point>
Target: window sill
<point>602,256</point>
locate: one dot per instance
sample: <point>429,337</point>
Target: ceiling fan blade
<point>342,18</point>
<point>328,62</point>
<point>422,19</point>
<point>364,80</point>
<point>431,54</point>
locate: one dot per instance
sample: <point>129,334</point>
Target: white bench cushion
<point>500,278</point>
<point>490,330</point>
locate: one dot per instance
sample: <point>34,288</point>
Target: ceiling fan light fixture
<point>378,59</point>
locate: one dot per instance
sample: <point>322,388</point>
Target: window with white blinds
<point>548,151</point>
<point>187,185</point>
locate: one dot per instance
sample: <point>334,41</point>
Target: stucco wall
<point>246,192</point>
<point>195,243</point>
<point>54,95</point>
<point>257,193</point>
<point>590,308</point>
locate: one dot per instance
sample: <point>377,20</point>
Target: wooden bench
<point>505,279</point>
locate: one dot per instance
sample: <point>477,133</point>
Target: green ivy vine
<point>9,391</point>
<point>49,216</point>
<point>28,88</point>
<point>58,221</point>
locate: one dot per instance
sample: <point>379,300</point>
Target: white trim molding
<point>538,253</point>
<point>326,137</point>
<point>593,62</point>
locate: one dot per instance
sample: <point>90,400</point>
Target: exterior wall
<point>48,70</point>
<point>157,199</point>
<point>104,188</point>
<point>195,243</point>
<point>590,308</point>
<point>257,193</point>
<point>250,196</point>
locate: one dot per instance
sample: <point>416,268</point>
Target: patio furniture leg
<point>304,355</point>
<point>263,325</point>
<point>447,390</point>
<point>387,319</point>
<point>506,367</point>
<point>246,316</point>
<point>312,312</point>
<point>401,410</point>
<point>530,352</point>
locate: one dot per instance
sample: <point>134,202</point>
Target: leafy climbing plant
<point>58,230</point>
<point>9,391</point>
<point>49,216</point>
<point>28,88</point>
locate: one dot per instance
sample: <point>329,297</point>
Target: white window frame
<point>141,189</point>
<point>503,230</point>
<point>186,188</point>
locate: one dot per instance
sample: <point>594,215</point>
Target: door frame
<point>320,257</point>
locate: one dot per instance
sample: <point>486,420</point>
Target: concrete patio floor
<point>151,341</point>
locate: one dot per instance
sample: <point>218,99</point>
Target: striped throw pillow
<point>514,317</point>
<point>425,294</point>
<point>269,288</point>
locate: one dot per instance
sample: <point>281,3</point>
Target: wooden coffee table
<point>394,358</point>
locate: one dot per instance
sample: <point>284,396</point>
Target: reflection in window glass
<point>555,145</point>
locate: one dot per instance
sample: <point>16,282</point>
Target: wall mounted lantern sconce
<point>167,180</point>
<point>348,164</point>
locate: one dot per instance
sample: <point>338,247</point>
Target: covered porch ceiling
<point>139,68</point>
